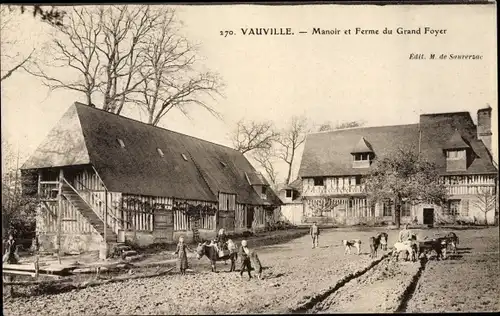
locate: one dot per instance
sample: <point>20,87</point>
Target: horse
<point>204,249</point>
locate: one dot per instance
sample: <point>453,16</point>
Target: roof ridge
<point>361,127</point>
<point>159,127</point>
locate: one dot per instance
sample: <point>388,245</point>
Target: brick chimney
<point>484,126</point>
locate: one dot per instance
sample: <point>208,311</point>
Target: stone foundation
<point>70,242</point>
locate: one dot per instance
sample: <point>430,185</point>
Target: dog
<point>256,264</point>
<point>404,247</point>
<point>348,244</point>
<point>438,245</point>
<point>374,244</point>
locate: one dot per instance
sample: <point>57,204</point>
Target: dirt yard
<point>300,279</point>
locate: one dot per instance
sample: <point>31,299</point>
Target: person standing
<point>314,231</point>
<point>10,255</point>
<point>181,252</point>
<point>245,259</point>
<point>405,234</point>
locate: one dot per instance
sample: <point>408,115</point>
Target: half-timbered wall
<point>259,216</point>
<point>181,219</point>
<point>227,202</point>
<point>72,221</point>
<point>240,219</point>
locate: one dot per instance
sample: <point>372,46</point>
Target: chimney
<point>484,126</point>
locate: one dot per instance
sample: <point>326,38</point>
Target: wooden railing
<point>100,207</point>
<point>49,190</point>
<point>471,189</point>
<point>322,190</point>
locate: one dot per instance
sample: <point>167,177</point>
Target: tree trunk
<point>397,212</point>
<point>289,173</point>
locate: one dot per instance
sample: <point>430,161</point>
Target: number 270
<point>226,33</point>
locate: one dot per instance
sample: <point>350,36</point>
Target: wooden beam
<point>59,214</point>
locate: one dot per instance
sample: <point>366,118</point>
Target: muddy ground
<point>299,279</point>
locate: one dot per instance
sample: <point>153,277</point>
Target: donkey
<point>204,249</point>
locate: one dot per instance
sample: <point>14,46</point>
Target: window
<point>263,190</point>
<point>455,154</point>
<point>453,207</point>
<point>288,193</point>
<point>318,181</point>
<point>362,157</point>
<point>160,152</point>
<point>358,180</point>
<point>184,157</point>
<point>387,209</point>
<point>122,144</point>
<point>406,209</point>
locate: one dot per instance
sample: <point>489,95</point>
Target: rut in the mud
<point>408,294</point>
<point>385,287</point>
<point>309,306</point>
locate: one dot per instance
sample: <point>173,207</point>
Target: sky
<point>333,78</point>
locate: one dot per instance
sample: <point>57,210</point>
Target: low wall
<point>70,242</point>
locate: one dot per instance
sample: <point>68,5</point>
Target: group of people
<point>220,243</point>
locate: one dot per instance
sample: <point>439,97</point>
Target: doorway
<point>163,226</point>
<point>429,216</point>
<point>250,215</point>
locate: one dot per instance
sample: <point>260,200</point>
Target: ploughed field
<point>300,279</point>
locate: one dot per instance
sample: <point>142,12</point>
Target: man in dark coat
<point>314,231</point>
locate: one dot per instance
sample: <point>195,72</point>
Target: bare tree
<point>11,59</point>
<point>126,54</point>
<point>485,201</point>
<point>290,139</point>
<point>54,16</point>
<point>265,158</point>
<point>169,76</point>
<point>249,136</point>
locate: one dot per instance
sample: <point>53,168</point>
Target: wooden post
<point>105,216</point>
<point>59,214</point>
<point>39,192</point>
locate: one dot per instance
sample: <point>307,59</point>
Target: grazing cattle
<point>384,238</point>
<point>348,244</point>
<point>374,244</point>
<point>204,249</point>
<point>406,247</point>
<point>438,245</point>
<point>452,241</point>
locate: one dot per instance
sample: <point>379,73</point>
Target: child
<point>256,264</point>
<point>10,255</point>
<point>181,251</point>
<point>245,259</point>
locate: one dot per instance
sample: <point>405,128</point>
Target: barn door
<point>226,220</point>
<point>163,226</point>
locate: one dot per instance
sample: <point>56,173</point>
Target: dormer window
<point>184,157</point>
<point>318,181</point>
<point>362,154</point>
<point>362,157</point>
<point>160,152</point>
<point>120,142</point>
<point>263,190</point>
<point>288,193</point>
<point>456,154</point>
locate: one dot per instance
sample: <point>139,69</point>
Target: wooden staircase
<point>86,210</point>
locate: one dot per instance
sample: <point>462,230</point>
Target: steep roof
<point>456,142</point>
<point>329,153</point>
<point>362,147</point>
<point>190,168</point>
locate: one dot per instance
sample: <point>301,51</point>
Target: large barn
<point>101,175</point>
